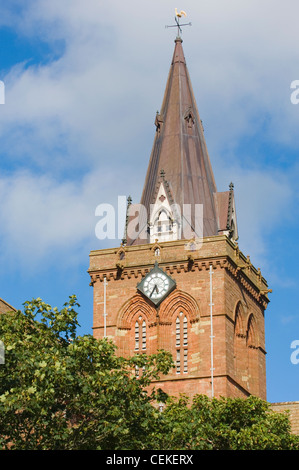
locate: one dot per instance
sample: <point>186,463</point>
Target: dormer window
<point>163,224</point>
<point>169,227</point>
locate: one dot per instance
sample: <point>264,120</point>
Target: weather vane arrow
<point>177,17</point>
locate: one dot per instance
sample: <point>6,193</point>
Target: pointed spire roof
<point>180,151</point>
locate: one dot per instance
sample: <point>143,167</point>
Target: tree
<point>62,391</point>
<point>224,424</point>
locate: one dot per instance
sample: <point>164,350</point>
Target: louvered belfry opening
<point>181,343</point>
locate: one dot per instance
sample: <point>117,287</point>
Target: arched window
<point>143,335</point>
<point>251,337</point>
<point>181,343</point>
<point>140,334</point>
<point>240,350</point>
<point>163,223</point>
<point>252,356</point>
<point>136,336</point>
<point>140,339</point>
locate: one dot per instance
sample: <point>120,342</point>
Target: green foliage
<point>63,391</point>
<point>225,424</point>
<point>60,391</point>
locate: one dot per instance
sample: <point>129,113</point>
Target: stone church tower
<point>179,281</point>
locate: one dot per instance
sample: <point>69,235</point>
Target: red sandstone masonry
<point>293,409</point>
<point>239,350</point>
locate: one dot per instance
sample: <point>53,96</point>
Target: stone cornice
<point>229,258</point>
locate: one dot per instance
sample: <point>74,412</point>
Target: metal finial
<point>177,17</point>
<point>124,240</point>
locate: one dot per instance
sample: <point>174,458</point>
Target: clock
<point>156,285</point>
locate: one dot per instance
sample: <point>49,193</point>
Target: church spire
<point>180,152</point>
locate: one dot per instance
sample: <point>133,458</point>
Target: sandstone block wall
<point>293,409</point>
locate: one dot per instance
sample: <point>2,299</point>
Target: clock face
<point>156,285</point>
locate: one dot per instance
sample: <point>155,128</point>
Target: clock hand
<point>155,287</point>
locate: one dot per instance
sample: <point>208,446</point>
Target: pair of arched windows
<point>246,343</point>
<point>249,331</point>
<point>181,341</point>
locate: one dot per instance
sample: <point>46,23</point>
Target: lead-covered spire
<point>179,172</point>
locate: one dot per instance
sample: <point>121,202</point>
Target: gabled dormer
<point>164,222</point>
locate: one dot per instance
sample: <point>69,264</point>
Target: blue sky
<point>83,81</point>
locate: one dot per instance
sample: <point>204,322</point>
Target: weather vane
<point>177,17</point>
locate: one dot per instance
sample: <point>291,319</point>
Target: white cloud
<point>116,60</point>
<point>45,221</point>
<point>92,108</point>
<point>263,202</point>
